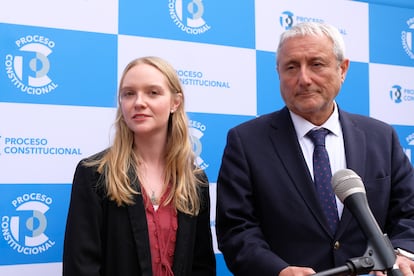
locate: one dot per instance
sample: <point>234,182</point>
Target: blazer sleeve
<point>238,229</point>
<point>375,153</point>
<point>82,253</point>
<point>400,222</point>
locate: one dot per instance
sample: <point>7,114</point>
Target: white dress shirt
<point>334,144</point>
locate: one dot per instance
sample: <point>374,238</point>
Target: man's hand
<point>406,266</point>
<point>296,271</point>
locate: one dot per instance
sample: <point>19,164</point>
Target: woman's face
<point>146,101</point>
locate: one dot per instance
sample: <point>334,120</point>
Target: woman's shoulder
<point>96,156</point>
<point>201,176</point>
<point>87,171</point>
<point>203,188</point>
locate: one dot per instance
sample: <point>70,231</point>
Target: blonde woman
<point>141,207</point>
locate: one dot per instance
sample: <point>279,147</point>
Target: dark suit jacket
<point>268,215</point>
<point>104,239</point>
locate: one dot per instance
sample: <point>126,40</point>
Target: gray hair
<point>316,29</point>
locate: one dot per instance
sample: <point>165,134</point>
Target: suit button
<point>337,245</point>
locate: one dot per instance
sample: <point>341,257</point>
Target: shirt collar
<point>303,126</point>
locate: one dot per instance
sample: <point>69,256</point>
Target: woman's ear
<point>176,102</point>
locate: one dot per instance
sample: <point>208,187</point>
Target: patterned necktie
<point>322,176</point>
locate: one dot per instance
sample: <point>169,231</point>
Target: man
<point>269,218</point>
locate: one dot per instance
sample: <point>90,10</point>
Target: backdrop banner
<point>61,63</point>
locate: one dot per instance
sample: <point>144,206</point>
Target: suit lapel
<point>286,145</point>
<point>355,143</point>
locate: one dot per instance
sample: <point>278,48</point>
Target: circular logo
<point>286,20</point>
<point>29,69</point>
<point>395,93</point>
<point>188,16</point>
<point>197,130</point>
<point>407,38</point>
<point>25,232</point>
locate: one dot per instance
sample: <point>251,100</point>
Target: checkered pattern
<point>81,58</point>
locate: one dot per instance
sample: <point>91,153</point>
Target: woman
<point>141,207</point>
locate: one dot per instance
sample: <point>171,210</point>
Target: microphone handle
<point>353,266</point>
<point>341,270</point>
<point>394,272</point>
<point>379,247</point>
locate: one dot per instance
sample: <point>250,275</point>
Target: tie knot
<point>318,136</point>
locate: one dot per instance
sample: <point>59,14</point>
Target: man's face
<point>310,76</point>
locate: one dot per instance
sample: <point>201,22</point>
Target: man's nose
<point>304,76</point>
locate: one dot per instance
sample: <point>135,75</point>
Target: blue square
<point>33,219</point>
<point>52,66</point>
<point>391,35</point>
<point>268,90</point>
<point>227,23</point>
<point>208,133</point>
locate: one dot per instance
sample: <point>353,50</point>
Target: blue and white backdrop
<point>60,65</point>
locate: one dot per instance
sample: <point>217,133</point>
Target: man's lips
<point>307,93</point>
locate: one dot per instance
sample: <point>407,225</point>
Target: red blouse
<point>162,228</point>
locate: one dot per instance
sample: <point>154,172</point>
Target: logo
<point>287,19</point>
<point>28,70</point>
<point>197,130</point>
<point>188,16</point>
<point>196,78</point>
<point>33,146</point>
<point>26,230</point>
<point>398,94</point>
<point>407,38</point>
<point>395,93</point>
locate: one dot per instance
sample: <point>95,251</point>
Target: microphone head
<point>346,182</point>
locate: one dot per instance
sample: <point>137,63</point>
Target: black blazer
<point>104,239</point>
<point>268,215</point>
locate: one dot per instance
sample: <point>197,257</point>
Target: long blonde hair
<point>181,171</point>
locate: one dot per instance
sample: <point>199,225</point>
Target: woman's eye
<point>127,94</point>
<point>154,92</point>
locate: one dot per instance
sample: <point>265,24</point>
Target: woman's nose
<point>139,99</point>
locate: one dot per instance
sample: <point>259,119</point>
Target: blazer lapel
<point>285,142</point>
<point>355,143</point>
<point>139,227</point>
<point>183,243</point>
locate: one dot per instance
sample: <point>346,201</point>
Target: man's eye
<point>318,64</point>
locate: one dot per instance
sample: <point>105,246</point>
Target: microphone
<point>349,188</point>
